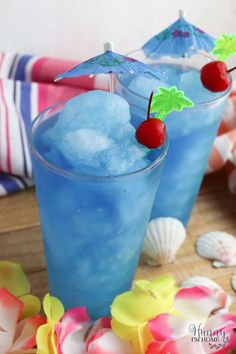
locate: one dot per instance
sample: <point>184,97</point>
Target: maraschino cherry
<point>152,131</point>
<point>215,76</point>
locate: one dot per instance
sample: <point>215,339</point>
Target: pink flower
<point>192,328</point>
<point>106,342</point>
<point>16,335</point>
<point>71,331</point>
<point>102,340</point>
<point>76,334</point>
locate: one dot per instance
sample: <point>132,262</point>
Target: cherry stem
<point>229,71</point>
<point>149,105</point>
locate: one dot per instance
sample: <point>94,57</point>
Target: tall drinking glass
<point>93,227</point>
<point>191,134</point>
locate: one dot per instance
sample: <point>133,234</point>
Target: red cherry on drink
<point>215,76</point>
<point>151,132</point>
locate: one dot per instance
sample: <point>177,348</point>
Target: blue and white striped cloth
<point>26,88</point>
<point>18,105</point>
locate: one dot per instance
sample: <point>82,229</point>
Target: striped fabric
<point>27,87</point>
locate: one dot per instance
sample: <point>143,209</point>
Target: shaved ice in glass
<point>191,132</point>
<point>96,187</point>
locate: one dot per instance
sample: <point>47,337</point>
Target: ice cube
<point>122,158</point>
<point>83,146</point>
<point>191,84</point>
<point>143,85</point>
<point>172,73</point>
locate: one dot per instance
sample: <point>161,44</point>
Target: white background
<point>76,29</point>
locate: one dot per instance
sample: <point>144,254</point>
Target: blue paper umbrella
<point>108,62</point>
<point>181,39</point>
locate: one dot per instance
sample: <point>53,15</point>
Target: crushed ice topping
<point>93,135</point>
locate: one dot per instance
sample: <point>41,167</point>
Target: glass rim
<point>75,175</point>
<point>224,93</point>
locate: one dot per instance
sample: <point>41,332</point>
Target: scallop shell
<point>233,281</point>
<point>210,284</point>
<point>163,238</point>
<point>219,246</point>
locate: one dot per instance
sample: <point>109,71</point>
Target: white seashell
<point>218,246</point>
<point>163,238</point>
<point>210,284</point>
<point>233,281</point>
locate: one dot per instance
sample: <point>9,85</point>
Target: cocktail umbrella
<point>108,62</point>
<point>181,39</point>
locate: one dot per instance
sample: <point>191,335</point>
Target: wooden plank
<point>18,211</point>
<point>24,247</point>
<point>39,283</point>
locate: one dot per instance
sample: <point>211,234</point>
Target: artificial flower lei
<point>155,317</point>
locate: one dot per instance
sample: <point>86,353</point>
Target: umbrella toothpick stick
<point>182,13</point>
<point>111,83</point>
<point>110,46</point>
<point>207,55</point>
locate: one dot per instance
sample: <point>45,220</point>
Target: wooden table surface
<point>215,209</point>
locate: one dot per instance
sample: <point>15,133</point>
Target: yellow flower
<point>133,309</point>
<point>14,280</point>
<point>46,337</point>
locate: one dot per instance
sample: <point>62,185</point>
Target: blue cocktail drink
<point>96,187</point>
<point>191,132</point>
